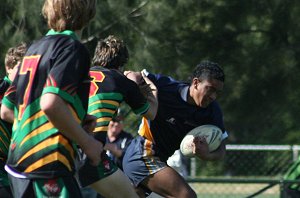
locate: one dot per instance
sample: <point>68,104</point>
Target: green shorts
<point>89,174</point>
<point>55,187</point>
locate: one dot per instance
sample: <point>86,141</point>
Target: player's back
<point>109,88</point>
<point>38,149</point>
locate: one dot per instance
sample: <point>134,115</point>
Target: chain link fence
<point>246,171</point>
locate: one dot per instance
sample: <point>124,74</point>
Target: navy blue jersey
<point>175,117</point>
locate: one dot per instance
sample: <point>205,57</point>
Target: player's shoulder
<point>115,77</point>
<point>111,73</point>
<point>57,44</point>
<point>125,134</point>
<point>164,82</point>
<point>215,105</point>
<point>121,79</point>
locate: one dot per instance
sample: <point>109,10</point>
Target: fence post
<point>193,167</point>
<point>282,187</point>
<point>295,153</point>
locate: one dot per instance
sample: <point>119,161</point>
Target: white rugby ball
<point>213,135</point>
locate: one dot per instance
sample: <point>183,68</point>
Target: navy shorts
<point>140,161</point>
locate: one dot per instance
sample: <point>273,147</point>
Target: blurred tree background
<point>256,42</point>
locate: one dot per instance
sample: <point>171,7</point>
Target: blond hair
<point>68,14</point>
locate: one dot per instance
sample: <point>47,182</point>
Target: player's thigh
<point>114,186</point>
<point>168,183</point>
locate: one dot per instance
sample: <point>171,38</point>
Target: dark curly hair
<point>209,70</point>
<point>110,53</point>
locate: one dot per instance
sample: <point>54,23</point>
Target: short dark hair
<point>209,70</point>
<point>111,53</point>
<point>117,118</point>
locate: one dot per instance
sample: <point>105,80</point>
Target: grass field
<point>211,190</point>
<point>234,190</point>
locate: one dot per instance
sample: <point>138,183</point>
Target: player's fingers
<point>197,139</point>
<point>146,79</point>
<point>126,72</point>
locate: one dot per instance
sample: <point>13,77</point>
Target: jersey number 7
<point>29,66</point>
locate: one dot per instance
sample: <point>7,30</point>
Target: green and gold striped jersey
<point>5,127</point>
<point>109,88</point>
<point>59,64</point>
<point>5,135</point>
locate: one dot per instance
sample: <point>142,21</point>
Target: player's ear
<point>195,82</point>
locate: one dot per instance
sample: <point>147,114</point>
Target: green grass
<point>211,190</point>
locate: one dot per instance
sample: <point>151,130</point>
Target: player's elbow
<point>151,114</point>
<point>7,114</point>
<point>152,111</point>
<point>49,103</point>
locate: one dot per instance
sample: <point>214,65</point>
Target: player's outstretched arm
<point>148,89</point>
<point>60,116</point>
<point>151,95</point>
<point>201,150</point>
<point>7,114</point>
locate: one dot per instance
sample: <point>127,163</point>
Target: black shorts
<point>55,187</point>
<point>5,192</point>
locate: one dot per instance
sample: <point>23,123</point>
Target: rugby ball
<point>213,135</point>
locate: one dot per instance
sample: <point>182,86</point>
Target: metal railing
<point>247,171</point>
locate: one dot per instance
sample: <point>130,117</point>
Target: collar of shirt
<point>7,79</point>
<point>184,92</point>
<point>65,32</point>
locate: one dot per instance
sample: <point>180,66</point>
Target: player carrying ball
<point>182,107</point>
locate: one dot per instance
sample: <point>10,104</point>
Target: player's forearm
<point>113,149</point>
<point>117,152</point>
<point>60,116</point>
<point>7,114</point>
<point>152,99</point>
<point>151,96</point>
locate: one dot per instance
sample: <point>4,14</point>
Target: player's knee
<point>192,194</point>
<point>187,193</point>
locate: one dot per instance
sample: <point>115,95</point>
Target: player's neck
<point>189,97</point>
<point>111,138</point>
